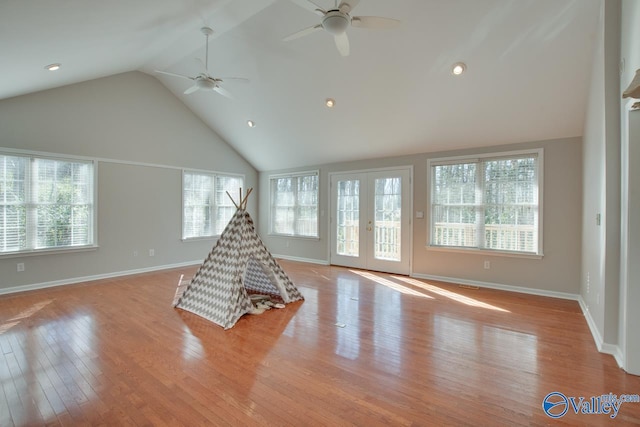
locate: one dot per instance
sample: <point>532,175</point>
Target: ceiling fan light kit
<point>205,84</point>
<point>337,21</point>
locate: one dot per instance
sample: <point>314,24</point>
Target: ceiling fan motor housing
<point>205,84</point>
<point>335,22</point>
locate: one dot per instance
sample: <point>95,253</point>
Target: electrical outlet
<point>286,244</point>
<point>20,267</point>
<point>152,252</point>
<point>588,281</point>
<point>135,253</point>
<point>487,265</point>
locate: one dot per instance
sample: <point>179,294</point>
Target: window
<point>206,208</point>
<point>45,203</point>
<point>490,203</point>
<point>294,204</point>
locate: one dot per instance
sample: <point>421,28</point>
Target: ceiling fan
<point>204,81</point>
<point>336,21</point>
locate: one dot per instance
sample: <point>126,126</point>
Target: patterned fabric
<point>239,261</point>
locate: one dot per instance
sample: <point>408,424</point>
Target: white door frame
<point>331,215</point>
<point>629,346</point>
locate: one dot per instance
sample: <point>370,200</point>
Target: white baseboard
<point>595,333</point>
<point>615,351</point>
<point>602,346</point>
<point>309,260</point>
<point>73,280</point>
<point>498,286</point>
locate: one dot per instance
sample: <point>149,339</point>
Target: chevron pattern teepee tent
<point>238,264</point>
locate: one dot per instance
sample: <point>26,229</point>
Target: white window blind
<point>294,204</point>
<point>206,207</point>
<point>488,203</point>
<point>45,203</point>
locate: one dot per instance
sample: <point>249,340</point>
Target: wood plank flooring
<point>405,352</point>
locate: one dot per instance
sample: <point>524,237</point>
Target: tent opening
<point>259,280</point>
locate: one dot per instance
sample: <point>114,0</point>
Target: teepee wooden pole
<point>232,201</point>
<point>243,203</point>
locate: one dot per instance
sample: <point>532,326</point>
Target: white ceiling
<point>528,74</point>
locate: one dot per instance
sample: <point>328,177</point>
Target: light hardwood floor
<point>406,352</point>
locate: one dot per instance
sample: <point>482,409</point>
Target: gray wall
<point>144,136</point>
<point>609,282</point>
<point>557,271</point>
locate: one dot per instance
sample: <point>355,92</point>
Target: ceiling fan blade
<point>303,33</point>
<point>320,12</point>
<point>222,91</point>
<point>238,79</point>
<point>191,89</point>
<point>342,43</point>
<point>374,22</point>
<point>346,6</point>
<point>175,75</point>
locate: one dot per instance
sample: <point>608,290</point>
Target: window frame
<point>292,175</point>
<point>214,175</point>
<point>31,205</point>
<point>479,158</point>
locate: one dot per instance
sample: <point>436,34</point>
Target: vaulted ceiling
<point>527,78</point>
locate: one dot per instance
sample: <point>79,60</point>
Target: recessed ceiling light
<point>330,102</point>
<point>53,67</point>
<point>458,68</point>
<point>251,123</point>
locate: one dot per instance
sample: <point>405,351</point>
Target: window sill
<point>292,236</point>
<point>198,239</point>
<point>49,251</point>
<point>485,252</point>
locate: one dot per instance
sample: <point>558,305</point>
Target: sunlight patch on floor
<point>449,294</point>
<point>191,346</point>
<point>391,285</point>
<point>25,314</point>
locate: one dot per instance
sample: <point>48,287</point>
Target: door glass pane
<point>388,199</point>
<point>348,218</point>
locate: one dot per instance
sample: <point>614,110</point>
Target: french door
<point>371,220</point>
